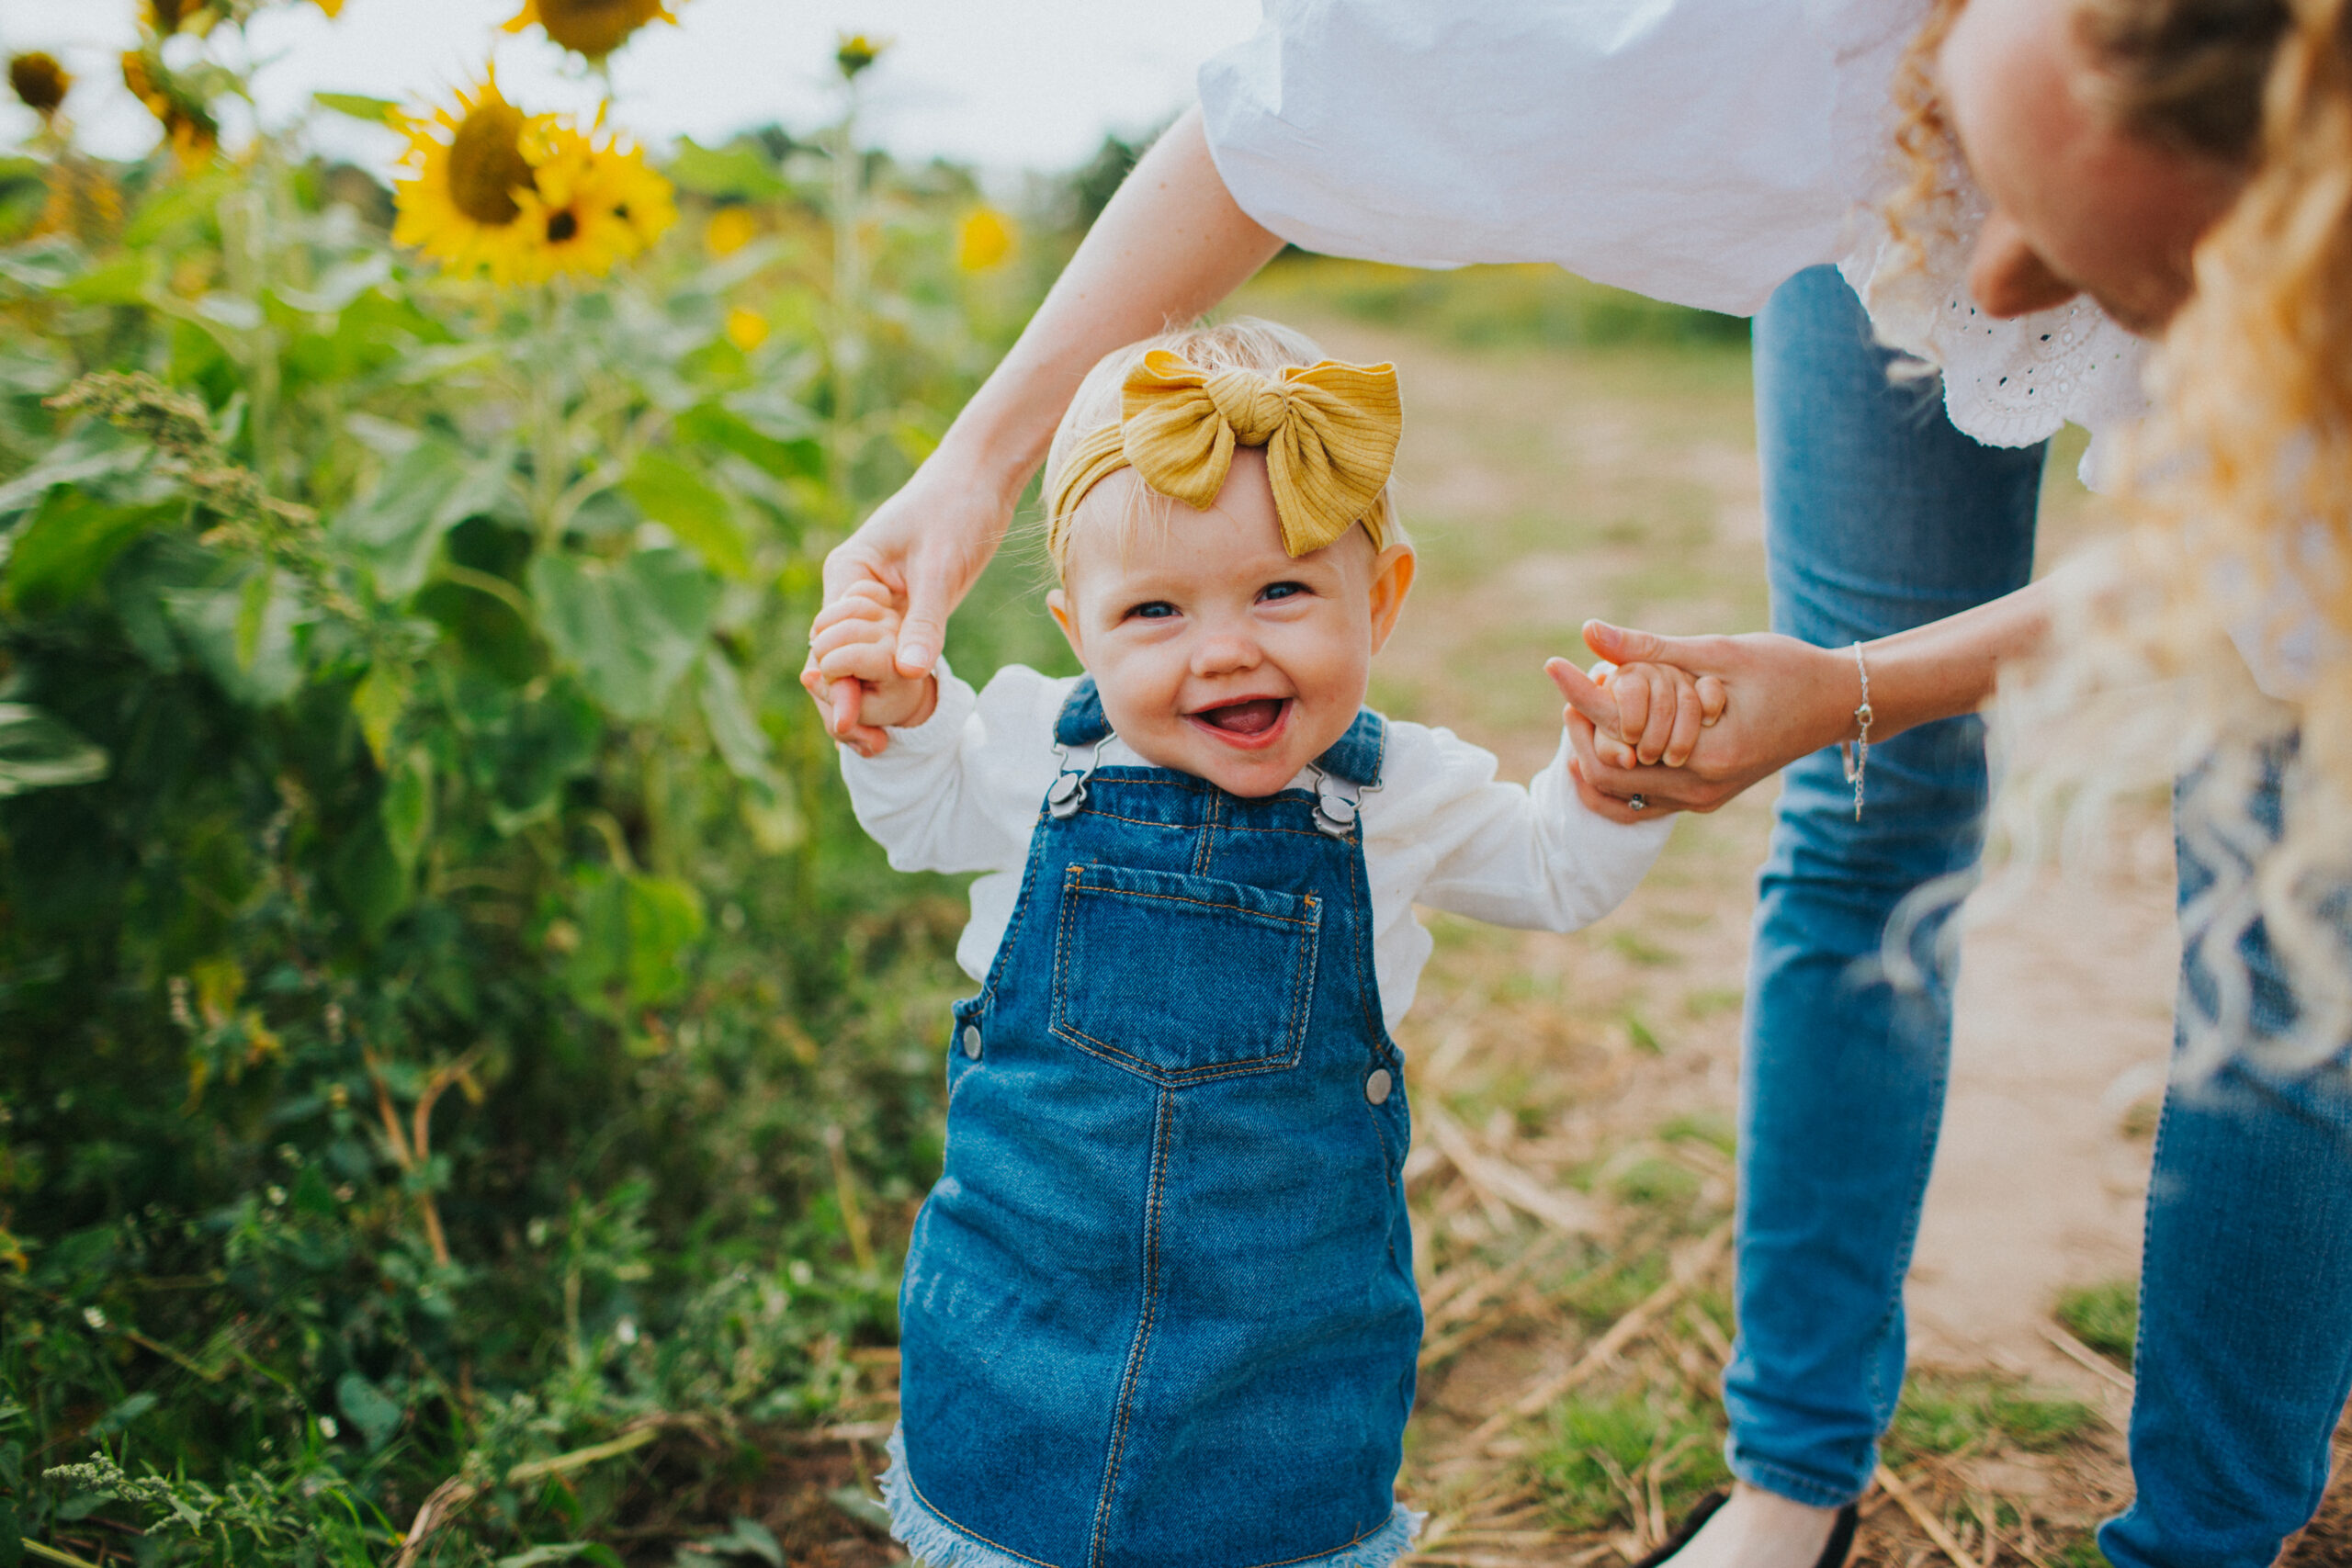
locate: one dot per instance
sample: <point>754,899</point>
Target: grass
<point>2106,1317</point>
<point>1599,1455</point>
<point>1945,1415</point>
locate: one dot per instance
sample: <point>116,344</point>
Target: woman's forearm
<point>1172,243</point>
<point>1950,666</point>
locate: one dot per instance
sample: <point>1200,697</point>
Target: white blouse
<point>961,792</point>
<point>1698,152</point>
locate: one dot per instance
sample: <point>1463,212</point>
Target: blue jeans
<point>2245,1288</point>
<point>1881,516</point>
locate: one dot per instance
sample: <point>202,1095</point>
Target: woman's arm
<point>1786,699</point>
<point>1171,245</point>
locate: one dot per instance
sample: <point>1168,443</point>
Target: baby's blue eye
<point>1281,591</point>
<point>1153,610</point>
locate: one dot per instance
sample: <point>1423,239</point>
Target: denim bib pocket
<point>1183,979</point>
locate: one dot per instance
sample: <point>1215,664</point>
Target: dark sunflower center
<point>562,226</point>
<point>595,27</point>
<point>486,163</point>
<point>39,82</point>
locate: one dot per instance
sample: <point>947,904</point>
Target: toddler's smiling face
<point>1216,653</point>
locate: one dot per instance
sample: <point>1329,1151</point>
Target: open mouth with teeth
<point>1252,723</point>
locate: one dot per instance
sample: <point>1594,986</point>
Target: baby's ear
<point>1057,606</point>
<point>1392,578</point>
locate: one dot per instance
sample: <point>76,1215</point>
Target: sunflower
<point>193,132</point>
<point>593,27</point>
<point>854,52</point>
<point>41,83</point>
<point>466,175</point>
<point>593,203</point>
<point>983,239</point>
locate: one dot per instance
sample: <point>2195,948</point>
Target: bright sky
<point>1005,84</point>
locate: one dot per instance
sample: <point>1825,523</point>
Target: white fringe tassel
<point>931,1541</point>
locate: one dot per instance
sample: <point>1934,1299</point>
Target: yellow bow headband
<point>1329,432</point>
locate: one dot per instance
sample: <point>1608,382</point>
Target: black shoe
<point>1834,1555</point>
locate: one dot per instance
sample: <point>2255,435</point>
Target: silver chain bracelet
<point>1857,752</point>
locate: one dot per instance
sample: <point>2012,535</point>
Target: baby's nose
<point>1223,652</point>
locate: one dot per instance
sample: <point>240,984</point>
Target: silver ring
<point>1637,803</point>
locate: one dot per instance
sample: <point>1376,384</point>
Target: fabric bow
<point>1329,432</point>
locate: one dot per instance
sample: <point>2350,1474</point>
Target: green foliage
<point>1599,1452</point>
<point>2104,1316</point>
<point>1529,306</point>
<point>448,1015</point>
<point>1950,1416</point>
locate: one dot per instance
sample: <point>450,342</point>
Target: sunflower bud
<point>856,52</point>
<point>39,82</point>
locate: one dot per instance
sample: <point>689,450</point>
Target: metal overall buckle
<point>1335,803</point>
<point>1067,791</point>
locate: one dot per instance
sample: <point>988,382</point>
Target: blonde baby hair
<point>1246,342</point>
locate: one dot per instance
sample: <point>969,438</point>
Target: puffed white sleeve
<point>1535,857</point>
<point>960,791</point>
<point>1695,151</point>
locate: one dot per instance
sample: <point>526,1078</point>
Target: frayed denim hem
<point>931,1541</point>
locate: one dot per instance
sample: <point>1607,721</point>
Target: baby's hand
<point>855,638</point>
<point>1658,709</point>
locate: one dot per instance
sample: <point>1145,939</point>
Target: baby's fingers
<point>1714,698</point>
<point>1658,726</point>
<point>1690,719</point>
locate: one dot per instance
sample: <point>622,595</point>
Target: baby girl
<point>1159,1311</point>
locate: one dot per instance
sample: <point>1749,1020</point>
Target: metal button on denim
<point>1376,1087</point>
<point>972,1041</point>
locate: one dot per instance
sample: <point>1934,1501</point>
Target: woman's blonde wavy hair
<point>2237,493</point>
<point>1246,342</point>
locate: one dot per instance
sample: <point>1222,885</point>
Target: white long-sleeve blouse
<point>1695,151</point>
<point>961,793</point>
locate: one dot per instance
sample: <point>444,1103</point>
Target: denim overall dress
<point>1158,1312</point>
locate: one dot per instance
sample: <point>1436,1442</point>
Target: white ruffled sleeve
<point>1696,150</point>
<point>960,791</point>
<point>1447,833</point>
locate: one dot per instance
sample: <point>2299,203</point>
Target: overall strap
<point>1356,755</point>
<point>1081,722</point>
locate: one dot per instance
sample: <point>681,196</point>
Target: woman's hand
<point>1782,699</point>
<point>921,551</point>
<point>856,645</point>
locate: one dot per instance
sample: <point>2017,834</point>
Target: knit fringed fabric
<point>932,1541</point>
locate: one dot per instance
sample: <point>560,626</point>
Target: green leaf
<point>407,806</point>
<point>742,744</point>
<point>630,629</point>
<point>340,286</point>
<point>681,501</point>
<point>38,751</point>
<point>665,919</point>
<point>377,702</point>
<point>94,451</point>
<point>397,523</point>
<point>124,282</point>
<point>253,605</point>
<point>736,171</point>
<point>564,1552</point>
<point>359,106</point>
<point>376,1416</point>
<point>70,541</point>
<point>250,654</point>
